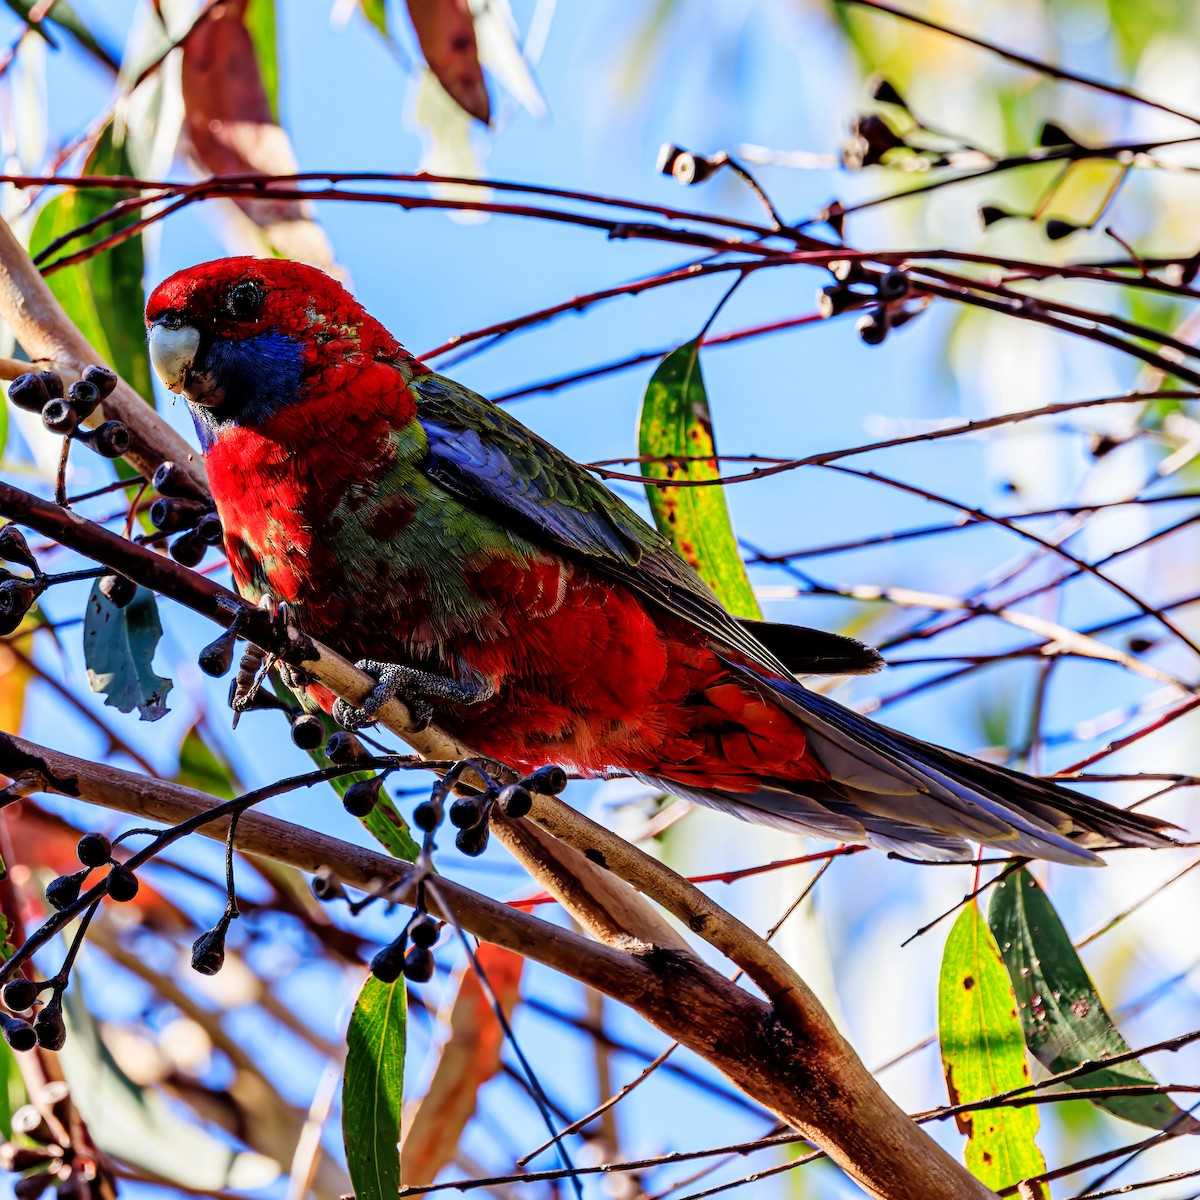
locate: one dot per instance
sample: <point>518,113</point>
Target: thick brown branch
<point>810,1079</point>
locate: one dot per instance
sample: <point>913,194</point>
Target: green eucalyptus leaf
<point>373,1089</point>
<point>675,421</point>
<point>1065,1023</point>
<point>105,294</point>
<point>118,650</point>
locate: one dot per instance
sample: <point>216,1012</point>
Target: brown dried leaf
<point>227,117</point>
<point>446,33</point>
<point>470,1057</point>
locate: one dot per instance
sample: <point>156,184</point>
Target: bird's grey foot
<point>418,690</point>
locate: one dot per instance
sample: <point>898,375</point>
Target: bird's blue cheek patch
<point>261,375</point>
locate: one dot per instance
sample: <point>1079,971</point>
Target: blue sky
<point>772,74</point>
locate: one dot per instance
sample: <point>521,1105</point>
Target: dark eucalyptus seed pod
<point>467,811</point>
<point>64,891</point>
<point>423,930</point>
<point>52,382</point>
<point>110,440</point>
<point>83,398</point>
<point>549,780</point>
<point>472,842</point>
<point>29,392</point>
<point>122,884</point>
<point>20,994</point>
<point>102,379</point>
<point>171,479</point>
<point>170,514</point>
<point>208,951</point>
<point>209,529</point>
<point>59,417</point>
<point>18,596</point>
<point>418,965</point>
<point>20,1035</point>
<point>343,749</point>
<point>326,886</point>
<point>362,796</point>
<point>48,1025</point>
<point>515,800</point>
<point>93,850</point>
<point>308,732</point>
<point>388,965</point>
<point>217,657</point>
<point>188,550</point>
<point>14,548</point>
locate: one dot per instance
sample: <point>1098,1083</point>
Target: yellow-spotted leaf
<point>983,1053</point>
<point>675,432</point>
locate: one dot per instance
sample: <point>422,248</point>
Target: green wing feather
<point>489,460</point>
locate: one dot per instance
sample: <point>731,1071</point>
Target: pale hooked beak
<point>173,353</point>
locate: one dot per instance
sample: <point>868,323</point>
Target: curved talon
<point>414,688</point>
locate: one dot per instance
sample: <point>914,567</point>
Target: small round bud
<point>467,811</point>
<point>209,529</point>
<point>29,392</point>
<point>418,965</point>
<point>515,801</point>
<point>208,951</point>
<point>59,417</point>
<point>308,732</point>
<point>217,657</point>
<point>326,886</point>
<point>93,850</point>
<point>118,590</point>
<point>472,842</point>
<point>48,1026</point>
<point>423,930</point>
<point>893,286</point>
<point>388,965</point>
<point>549,780</point>
<point>18,1034</point>
<point>83,398</point>
<point>14,548</point>
<point>188,550</point>
<point>343,749</point>
<point>362,796</point>
<point>122,885</point>
<point>110,440</point>
<point>64,891</point>
<point>101,378</point>
<point>20,994</point>
<point>871,329</point>
<point>427,816</point>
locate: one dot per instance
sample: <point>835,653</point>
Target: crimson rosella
<point>496,585</point>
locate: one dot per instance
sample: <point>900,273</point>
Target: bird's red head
<point>242,338</point>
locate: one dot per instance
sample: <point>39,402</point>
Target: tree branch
<point>809,1078</point>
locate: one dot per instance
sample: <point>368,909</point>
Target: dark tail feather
<point>894,791</point>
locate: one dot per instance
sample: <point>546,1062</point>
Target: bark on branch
<point>813,1080</point>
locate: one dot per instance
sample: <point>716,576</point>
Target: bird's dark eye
<point>244,299</point>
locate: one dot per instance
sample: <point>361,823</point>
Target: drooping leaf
<point>983,1053</point>
<point>135,1123</point>
<point>229,123</point>
<point>261,25</point>
<point>675,423</point>
<point>118,649</point>
<point>1064,1021</point>
<point>201,767</point>
<point>384,822</point>
<point>104,295</point>
<point>469,1058</point>
<point>373,1089</point>
<point>445,31</point>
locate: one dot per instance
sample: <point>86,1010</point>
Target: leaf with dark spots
<point>983,1053</point>
<point>675,424</point>
<point>1065,1023</point>
<point>118,650</point>
<point>445,30</point>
